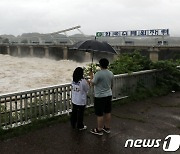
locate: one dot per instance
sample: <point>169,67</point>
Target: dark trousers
<point>77,116</point>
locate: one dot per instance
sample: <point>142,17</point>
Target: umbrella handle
<point>92,56</point>
<point>92,60</point>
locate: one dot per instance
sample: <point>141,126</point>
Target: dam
<point>60,52</point>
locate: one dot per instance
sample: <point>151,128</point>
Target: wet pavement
<point>154,118</point>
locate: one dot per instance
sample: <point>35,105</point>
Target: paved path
<point>150,119</point>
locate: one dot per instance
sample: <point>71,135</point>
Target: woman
<point>80,88</point>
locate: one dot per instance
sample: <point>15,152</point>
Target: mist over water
<point>19,74</point>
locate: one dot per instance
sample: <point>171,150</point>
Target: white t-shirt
<point>79,92</point>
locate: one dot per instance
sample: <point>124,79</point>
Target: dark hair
<point>77,74</point>
<point>104,63</point>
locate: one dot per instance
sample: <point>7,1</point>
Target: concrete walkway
<point>150,119</point>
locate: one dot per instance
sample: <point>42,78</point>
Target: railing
<point>126,84</point>
<point>23,107</point>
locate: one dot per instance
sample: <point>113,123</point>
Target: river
<point>19,74</point>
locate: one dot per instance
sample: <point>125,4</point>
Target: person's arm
<point>91,78</point>
<point>85,85</point>
<point>112,84</point>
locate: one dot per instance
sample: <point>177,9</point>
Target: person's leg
<point>98,106</point>
<point>100,123</point>
<point>99,129</point>
<point>107,111</point>
<point>80,117</point>
<point>107,120</point>
<point>74,116</point>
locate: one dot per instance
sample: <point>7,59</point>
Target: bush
<point>171,74</point>
<point>133,62</point>
<point>90,67</point>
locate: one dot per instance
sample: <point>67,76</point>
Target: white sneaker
<point>84,128</point>
<point>107,130</point>
<point>96,131</point>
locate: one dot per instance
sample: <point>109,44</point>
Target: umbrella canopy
<point>93,46</point>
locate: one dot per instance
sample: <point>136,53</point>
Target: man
<point>102,82</point>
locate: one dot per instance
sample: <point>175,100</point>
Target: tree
<point>24,41</point>
<point>6,40</point>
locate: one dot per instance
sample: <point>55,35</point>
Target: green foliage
<point>178,62</point>
<point>6,40</point>
<point>24,41</point>
<point>166,81</point>
<point>127,63</point>
<point>171,74</point>
<point>90,67</point>
<point>142,92</point>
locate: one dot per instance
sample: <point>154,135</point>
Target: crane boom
<point>65,30</point>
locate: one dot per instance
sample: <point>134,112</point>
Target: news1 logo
<point>171,143</point>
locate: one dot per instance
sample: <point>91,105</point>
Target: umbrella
<point>93,46</point>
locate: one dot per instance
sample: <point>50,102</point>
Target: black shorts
<point>102,105</point>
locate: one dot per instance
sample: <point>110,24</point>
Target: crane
<point>66,30</point>
<point>61,31</point>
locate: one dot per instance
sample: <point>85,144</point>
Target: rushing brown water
<point>19,74</point>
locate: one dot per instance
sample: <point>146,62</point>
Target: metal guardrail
<point>23,107</point>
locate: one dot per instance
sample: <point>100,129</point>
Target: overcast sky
<point>46,16</point>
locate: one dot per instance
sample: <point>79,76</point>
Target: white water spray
<point>19,74</point>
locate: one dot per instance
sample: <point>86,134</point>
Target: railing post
<point>10,112</point>
<point>40,104</point>
<point>21,114</point>
<point>5,118</point>
<point>16,113</point>
<point>64,99</point>
<point>31,114</point>
<point>60,105</point>
<point>68,99</point>
<point>53,102</point>
<point>56,101</point>
<point>48,102</point>
<point>44,102</point>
